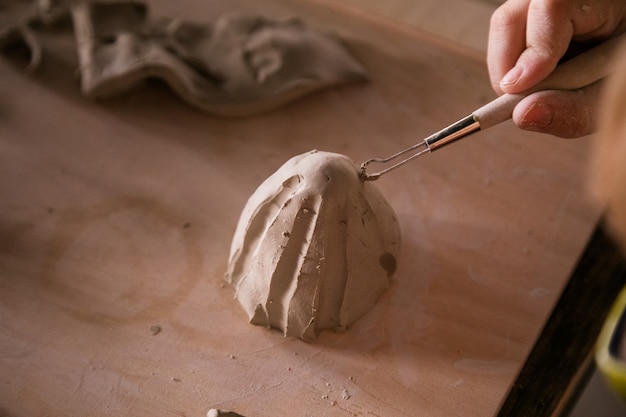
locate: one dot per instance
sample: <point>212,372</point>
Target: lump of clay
<point>240,64</point>
<point>21,34</point>
<point>20,20</point>
<point>314,247</point>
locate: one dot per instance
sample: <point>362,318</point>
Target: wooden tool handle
<point>578,72</point>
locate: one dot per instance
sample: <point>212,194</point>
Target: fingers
<point>507,39</point>
<point>548,34</point>
<point>567,114</point>
<point>526,40</point>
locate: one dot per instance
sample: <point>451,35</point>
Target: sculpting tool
<point>578,72</point>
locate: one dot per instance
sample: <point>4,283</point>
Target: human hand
<point>527,38</point>
<point>607,179</point>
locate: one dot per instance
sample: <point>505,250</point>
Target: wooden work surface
<point>117,216</point>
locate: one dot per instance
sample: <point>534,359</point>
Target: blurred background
<point>463,21</point>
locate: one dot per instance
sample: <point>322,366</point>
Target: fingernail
<point>537,117</point>
<point>511,77</point>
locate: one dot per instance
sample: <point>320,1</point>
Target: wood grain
<point>117,216</point>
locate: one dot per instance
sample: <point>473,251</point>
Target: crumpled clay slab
<point>20,20</point>
<point>240,64</point>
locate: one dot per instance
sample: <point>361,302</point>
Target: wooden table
<point>116,219</point>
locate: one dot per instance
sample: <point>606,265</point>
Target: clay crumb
<point>345,395</point>
<point>174,379</point>
<point>155,329</point>
<point>457,383</point>
<point>222,413</point>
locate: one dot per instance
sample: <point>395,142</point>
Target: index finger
<point>549,32</point>
<point>507,39</point>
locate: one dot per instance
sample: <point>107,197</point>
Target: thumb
<point>567,114</point>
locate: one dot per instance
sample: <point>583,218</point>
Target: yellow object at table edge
<point>612,367</point>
